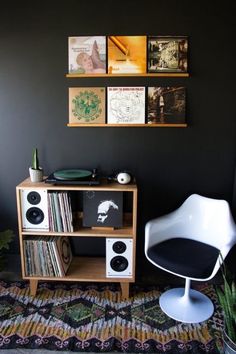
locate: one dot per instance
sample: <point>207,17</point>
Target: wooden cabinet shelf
<point>84,269</point>
<point>81,268</point>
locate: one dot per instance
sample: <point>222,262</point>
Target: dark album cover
<point>166,105</point>
<point>167,54</point>
<point>102,209</point>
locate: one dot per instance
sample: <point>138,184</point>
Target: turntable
<point>74,177</point>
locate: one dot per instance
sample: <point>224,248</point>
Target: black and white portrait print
<point>102,209</point>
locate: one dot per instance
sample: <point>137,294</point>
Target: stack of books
<point>47,256</point>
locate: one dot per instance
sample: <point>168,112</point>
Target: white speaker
<point>119,258</point>
<point>34,209</point>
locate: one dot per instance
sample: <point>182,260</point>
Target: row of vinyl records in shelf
<point>47,256</point>
<point>60,212</point>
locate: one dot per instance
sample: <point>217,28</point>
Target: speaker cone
<point>119,263</point>
<point>119,247</point>
<point>35,215</point>
<point>34,198</point>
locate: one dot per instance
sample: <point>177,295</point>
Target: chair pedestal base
<point>193,308</point>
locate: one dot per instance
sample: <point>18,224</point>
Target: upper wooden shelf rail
<point>129,75</point>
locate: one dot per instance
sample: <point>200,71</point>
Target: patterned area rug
<point>93,318</point>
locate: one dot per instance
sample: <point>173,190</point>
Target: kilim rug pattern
<point>93,318</point>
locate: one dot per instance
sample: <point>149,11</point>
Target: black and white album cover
<point>102,209</point>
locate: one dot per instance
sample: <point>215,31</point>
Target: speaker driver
<point>119,263</point>
<point>35,215</point>
<point>34,198</point>
<point>119,247</point>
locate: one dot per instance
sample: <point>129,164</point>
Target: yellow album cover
<point>127,54</point>
<point>87,105</point>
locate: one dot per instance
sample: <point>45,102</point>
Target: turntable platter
<point>72,174</point>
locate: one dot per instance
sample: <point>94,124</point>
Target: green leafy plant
<point>227,298</point>
<point>35,159</point>
<point>5,238</point>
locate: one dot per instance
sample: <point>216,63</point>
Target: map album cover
<point>167,54</point>
<point>166,105</point>
<point>87,55</point>
<point>127,54</point>
<point>87,105</point>
<point>126,105</point>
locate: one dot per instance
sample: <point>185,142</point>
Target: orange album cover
<point>127,54</point>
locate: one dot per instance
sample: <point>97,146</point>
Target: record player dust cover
<point>87,105</point>
<point>126,54</point>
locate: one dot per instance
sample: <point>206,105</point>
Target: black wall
<point>169,163</point>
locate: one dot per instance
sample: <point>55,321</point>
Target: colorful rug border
<point>209,344</point>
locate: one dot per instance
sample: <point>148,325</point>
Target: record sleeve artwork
<point>126,105</point>
<point>102,209</point>
<point>87,55</point>
<point>166,105</point>
<point>87,105</point>
<point>126,54</point>
<point>167,54</point>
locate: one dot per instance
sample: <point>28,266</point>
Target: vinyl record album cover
<point>166,105</point>
<point>126,105</point>
<point>127,54</point>
<point>102,209</point>
<point>87,55</point>
<point>64,252</point>
<point>87,105</point>
<point>167,54</point>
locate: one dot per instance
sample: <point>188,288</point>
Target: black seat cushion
<point>185,257</point>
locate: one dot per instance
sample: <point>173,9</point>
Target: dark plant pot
<point>229,345</point>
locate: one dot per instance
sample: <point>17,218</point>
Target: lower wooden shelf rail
<point>156,125</point>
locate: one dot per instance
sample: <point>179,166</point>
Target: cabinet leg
<point>124,290</point>
<point>33,286</point>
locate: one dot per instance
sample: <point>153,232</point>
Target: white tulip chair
<point>191,243</point>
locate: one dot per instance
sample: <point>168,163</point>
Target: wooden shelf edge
<point>103,186</point>
<point>129,75</point>
<point>94,233</point>
<point>154,125</point>
<point>85,269</point>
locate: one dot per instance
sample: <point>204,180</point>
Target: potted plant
<point>36,172</point>
<point>5,238</point>
<point>227,298</point>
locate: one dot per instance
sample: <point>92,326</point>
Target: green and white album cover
<point>87,105</point>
